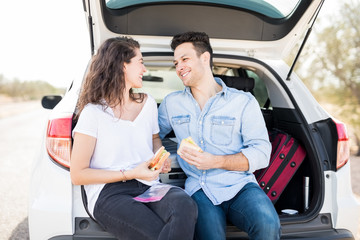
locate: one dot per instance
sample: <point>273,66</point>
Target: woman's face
<point>134,71</point>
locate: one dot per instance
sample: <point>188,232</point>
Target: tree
<point>333,73</point>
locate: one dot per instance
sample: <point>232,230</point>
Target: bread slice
<point>190,143</point>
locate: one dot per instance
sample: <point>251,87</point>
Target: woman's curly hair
<point>105,79</point>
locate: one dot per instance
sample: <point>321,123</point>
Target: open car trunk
<point>280,111</point>
<point>247,38</point>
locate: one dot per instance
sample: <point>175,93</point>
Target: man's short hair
<point>200,41</point>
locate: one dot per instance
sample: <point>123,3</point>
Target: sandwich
<point>158,159</point>
<point>189,142</point>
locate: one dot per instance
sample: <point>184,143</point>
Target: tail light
<point>58,140</point>
<point>343,145</point>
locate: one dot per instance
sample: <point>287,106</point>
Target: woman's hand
<point>167,166</point>
<point>143,172</point>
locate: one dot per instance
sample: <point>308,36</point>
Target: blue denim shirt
<point>229,123</point>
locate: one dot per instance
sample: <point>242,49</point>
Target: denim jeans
<point>173,217</point>
<point>250,210</point>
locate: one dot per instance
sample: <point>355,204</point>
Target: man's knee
<point>269,226</point>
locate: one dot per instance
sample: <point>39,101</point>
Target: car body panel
<point>51,191</point>
<point>340,200</point>
<point>50,200</point>
<point>239,31</point>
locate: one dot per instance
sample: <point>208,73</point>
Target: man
<point>229,127</point>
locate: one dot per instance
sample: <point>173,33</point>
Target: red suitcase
<point>286,157</point>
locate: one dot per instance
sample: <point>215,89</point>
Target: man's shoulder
<point>235,93</point>
<point>174,96</point>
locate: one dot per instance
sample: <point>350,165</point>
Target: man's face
<point>189,66</point>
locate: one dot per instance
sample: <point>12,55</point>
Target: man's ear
<point>206,58</point>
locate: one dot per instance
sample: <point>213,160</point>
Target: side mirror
<point>49,102</point>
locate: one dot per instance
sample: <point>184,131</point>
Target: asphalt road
<point>21,130</point>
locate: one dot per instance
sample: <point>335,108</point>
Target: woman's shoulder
<point>148,97</point>
<point>93,109</point>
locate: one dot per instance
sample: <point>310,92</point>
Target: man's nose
<point>179,67</point>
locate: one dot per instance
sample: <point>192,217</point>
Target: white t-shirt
<point>120,144</point>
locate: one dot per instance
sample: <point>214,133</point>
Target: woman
<point>114,140</point>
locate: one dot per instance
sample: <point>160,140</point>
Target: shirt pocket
<point>222,128</point>
<point>181,124</point>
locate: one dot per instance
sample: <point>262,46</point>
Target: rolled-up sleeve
<point>256,145</point>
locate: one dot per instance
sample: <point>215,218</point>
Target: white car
<point>249,38</point>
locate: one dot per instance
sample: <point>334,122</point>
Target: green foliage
<point>27,90</point>
<point>333,72</point>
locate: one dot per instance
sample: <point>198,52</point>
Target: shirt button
<point>204,172</point>
<point>222,122</point>
<point>200,122</point>
<point>201,141</point>
<point>202,183</point>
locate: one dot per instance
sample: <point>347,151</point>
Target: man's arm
<point>206,161</point>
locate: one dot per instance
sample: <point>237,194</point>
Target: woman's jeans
<point>250,210</point>
<point>173,217</point>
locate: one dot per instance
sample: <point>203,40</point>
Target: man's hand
<point>203,161</point>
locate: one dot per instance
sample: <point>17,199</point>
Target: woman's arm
<point>156,145</point>
<point>156,142</point>
<point>82,174</point>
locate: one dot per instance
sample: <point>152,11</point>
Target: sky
<point>48,40</point>
<point>43,40</point>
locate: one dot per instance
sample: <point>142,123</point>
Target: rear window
<point>270,8</point>
<point>159,81</point>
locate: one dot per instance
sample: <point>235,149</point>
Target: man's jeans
<point>173,217</point>
<point>250,210</point>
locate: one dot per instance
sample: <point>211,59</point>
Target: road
<point>21,135</point>
<point>21,132</point>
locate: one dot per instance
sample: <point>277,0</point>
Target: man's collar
<point>223,86</point>
<point>218,81</point>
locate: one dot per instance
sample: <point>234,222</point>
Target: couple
<point>118,132</point>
